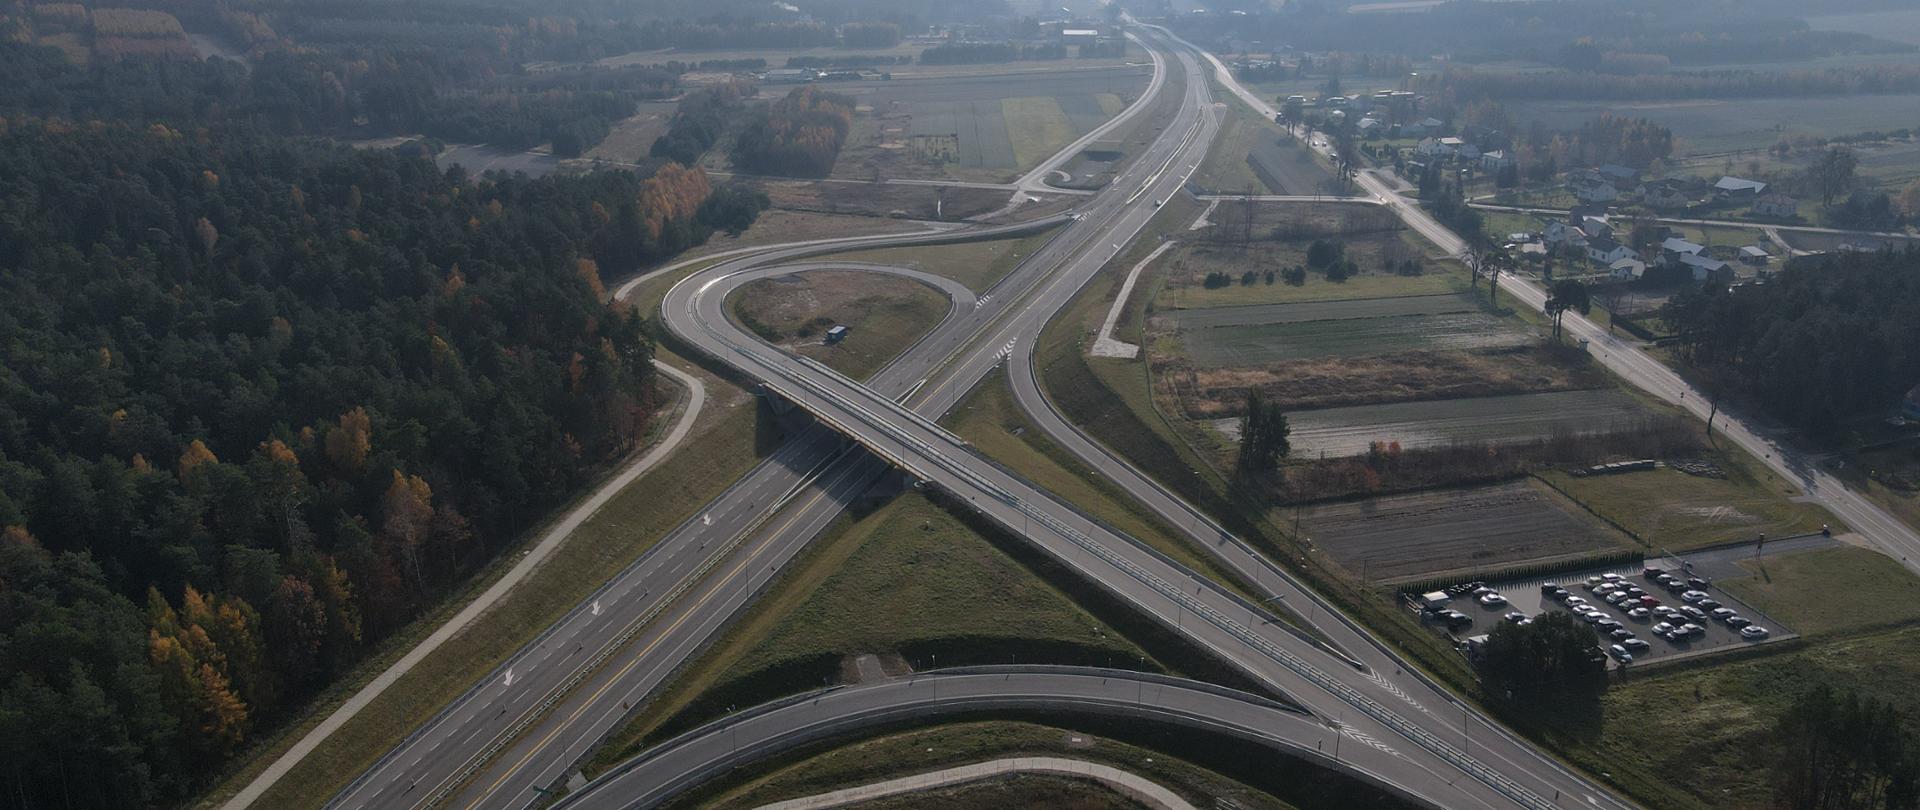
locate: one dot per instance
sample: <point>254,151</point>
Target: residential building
<point>1497,160</point>
<point>1776,205</point>
<point>1558,233</point>
<point>1621,176</point>
<point>1591,190</point>
<point>1369,128</point>
<point>1704,266</point>
<point>1433,148</point>
<point>1626,269</point>
<point>1754,255</point>
<point>1664,194</point>
<point>1675,247</point>
<point>1603,250</point>
<point>1735,188</point>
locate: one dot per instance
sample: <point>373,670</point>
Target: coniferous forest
<point>264,399</point>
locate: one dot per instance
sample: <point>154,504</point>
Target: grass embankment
<point>1669,509</point>
<point>918,586</point>
<point>1206,771</point>
<point>727,441</point>
<point>992,422</point>
<point>1702,734</point>
<point>1023,790</point>
<point>976,264</point>
<point>883,314</point>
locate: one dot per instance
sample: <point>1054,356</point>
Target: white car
<point>1636,644</point>
<point>1616,597</point>
<point>1691,597</point>
<point>1575,602</point>
<point>1639,613</point>
<point>1662,629</point>
<point>1721,613</point>
<point>1593,617</point>
<point>1492,599</point>
<point>1612,577</point>
<point>1753,631</point>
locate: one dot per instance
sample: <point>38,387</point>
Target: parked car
<point>1621,634</point>
<point>1635,592</point>
<point>1676,585</point>
<point>1694,613</point>
<point>1691,597</point>
<point>1491,599</point>
<point>1636,644</point>
<point>1698,583</point>
<point>1692,629</point>
<point>1737,622</point>
<point>1559,594</point>
<point>1549,587</point>
<point>1709,604</point>
<point>1662,629</point>
<point>1649,602</point>
<point>1753,631</point>
<point>1639,613</point>
<point>1663,611</point>
<point>1616,598</point>
<point>1514,617</point>
<point>1612,577</point>
<point>1592,582</point>
<point>1651,572</point>
<point>1575,601</point>
<point>1621,654</point>
<point>1481,590</point>
<point>1594,617</point>
<point>1721,613</point>
<point>1455,619</point>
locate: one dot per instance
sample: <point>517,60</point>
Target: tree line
<point>1826,340</point>
<point>799,135</point>
<point>263,401</point>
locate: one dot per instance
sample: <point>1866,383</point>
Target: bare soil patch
<point>883,314</point>
<point>1425,533</point>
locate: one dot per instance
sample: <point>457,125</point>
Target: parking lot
<point>1525,596</point>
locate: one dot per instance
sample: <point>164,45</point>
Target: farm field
<point>634,135</point>
<point>1332,382</point>
<point>1337,432</point>
<point>1724,125</point>
<point>884,315</point>
<point>1899,26</point>
<point>968,127</point>
<point>1420,534</point>
<point>1696,511</point>
<point>1345,329</point>
<point>892,201</point>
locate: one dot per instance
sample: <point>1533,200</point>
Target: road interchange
<point>647,644</point>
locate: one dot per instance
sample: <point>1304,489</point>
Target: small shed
<point>1434,600</point>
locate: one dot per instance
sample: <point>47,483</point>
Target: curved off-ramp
<point>1126,783</point>
<point>693,758</point>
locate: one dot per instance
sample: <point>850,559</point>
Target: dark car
<point>1651,571</point>
<point>1698,582</point>
<point>1549,587</point>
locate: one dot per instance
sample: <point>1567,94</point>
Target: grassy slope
<point>1830,592</point>
<point>906,577</point>
<point>975,264</point>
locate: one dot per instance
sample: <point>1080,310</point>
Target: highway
<point>525,725</point>
<point>1498,771</point>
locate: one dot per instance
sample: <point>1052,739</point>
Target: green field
<point>1724,125</point>
<point>1184,288</point>
<point>1833,591</point>
<point>1439,323</point>
<point>904,582</point>
<point>1673,510</point>
<point>884,314</point>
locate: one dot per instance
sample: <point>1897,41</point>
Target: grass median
<point>979,265</point>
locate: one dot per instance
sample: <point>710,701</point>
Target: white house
<point>1776,205</point>
<point>1626,269</point>
<point>1603,250</point>
<point>1497,160</point>
<point>1433,148</point>
<point>1560,233</point>
<point>1589,190</point>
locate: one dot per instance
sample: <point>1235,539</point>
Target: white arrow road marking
<point>706,519</point>
<point>509,679</point>
<point>596,607</point>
